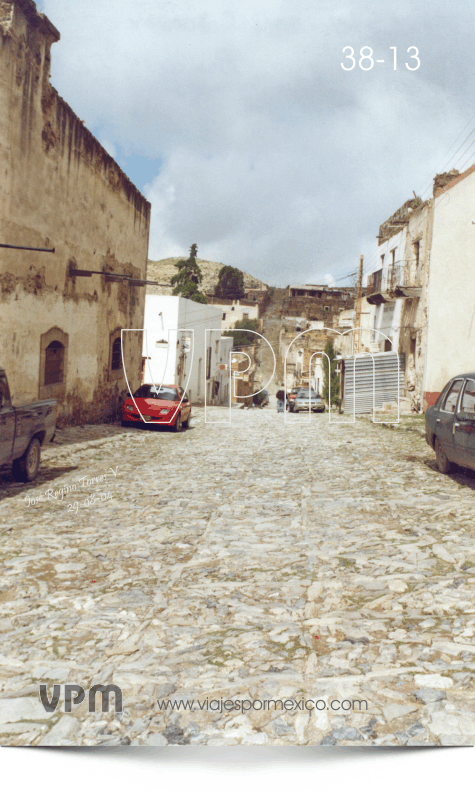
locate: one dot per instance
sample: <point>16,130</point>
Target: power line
<point>344,277</point>
<point>440,170</point>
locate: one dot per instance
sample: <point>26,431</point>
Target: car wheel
<point>178,425</point>
<point>26,467</point>
<point>186,423</point>
<point>443,463</point>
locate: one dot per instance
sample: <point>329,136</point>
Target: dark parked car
<point>308,399</point>
<point>23,430</point>
<point>166,405</point>
<point>450,424</point>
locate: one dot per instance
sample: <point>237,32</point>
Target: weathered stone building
<point>397,291</point>
<point>420,291</point>
<point>314,302</point>
<point>61,312</point>
<point>313,310</point>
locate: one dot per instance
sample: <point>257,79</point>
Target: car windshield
<point>155,392</point>
<point>304,394</point>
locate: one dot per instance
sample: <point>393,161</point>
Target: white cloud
<point>273,157</point>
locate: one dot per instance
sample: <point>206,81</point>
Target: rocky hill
<point>163,270</point>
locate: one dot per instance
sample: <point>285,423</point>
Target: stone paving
<point>254,561</point>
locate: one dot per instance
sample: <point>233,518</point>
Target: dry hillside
<point>163,270</point>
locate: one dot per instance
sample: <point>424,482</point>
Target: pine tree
<point>230,283</point>
<point>188,278</point>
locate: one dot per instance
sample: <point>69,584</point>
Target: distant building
<point>317,303</point>
<point>258,294</point>
<point>301,346</point>
<point>183,345</point>
<point>320,291</point>
<point>233,311</point>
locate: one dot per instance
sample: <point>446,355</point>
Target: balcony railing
<point>400,274</point>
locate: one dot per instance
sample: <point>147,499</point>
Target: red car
<point>167,405</point>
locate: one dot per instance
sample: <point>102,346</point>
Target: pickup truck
<point>23,430</point>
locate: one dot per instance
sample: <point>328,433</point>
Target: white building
<point>223,373</point>
<point>183,345</point>
<point>233,311</point>
<point>450,342</point>
<point>386,313</point>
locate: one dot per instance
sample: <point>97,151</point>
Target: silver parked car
<point>308,399</point>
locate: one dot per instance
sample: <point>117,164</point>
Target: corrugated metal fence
<point>381,372</point>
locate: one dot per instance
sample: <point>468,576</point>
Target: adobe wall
<point>60,189</point>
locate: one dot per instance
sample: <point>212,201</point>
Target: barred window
<point>54,363</point>
<point>116,354</point>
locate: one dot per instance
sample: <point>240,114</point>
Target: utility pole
<point>359,298</point>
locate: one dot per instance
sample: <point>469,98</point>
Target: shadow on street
<point>9,487</point>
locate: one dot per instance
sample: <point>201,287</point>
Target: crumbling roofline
<point>41,21</point>
<point>455,180</point>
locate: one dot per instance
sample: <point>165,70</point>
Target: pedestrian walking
<point>280,401</point>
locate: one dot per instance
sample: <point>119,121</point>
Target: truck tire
<point>25,468</point>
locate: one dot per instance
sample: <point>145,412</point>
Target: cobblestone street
<point>251,561</point>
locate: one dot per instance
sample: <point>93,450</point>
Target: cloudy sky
<point>239,124</point>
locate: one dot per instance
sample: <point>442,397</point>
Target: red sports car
<point>167,405</point>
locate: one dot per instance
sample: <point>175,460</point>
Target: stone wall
<point>325,308</point>
<point>60,189</point>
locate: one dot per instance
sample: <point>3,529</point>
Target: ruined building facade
<point>61,313</point>
<point>320,303</point>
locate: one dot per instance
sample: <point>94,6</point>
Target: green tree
<point>240,337</point>
<point>230,283</point>
<point>331,385</point>
<point>188,278</point>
